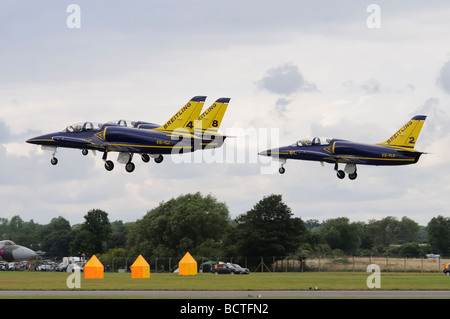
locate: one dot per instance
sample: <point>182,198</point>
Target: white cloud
<point>285,79</point>
<point>444,77</point>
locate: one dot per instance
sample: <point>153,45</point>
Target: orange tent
<point>140,268</point>
<point>93,268</point>
<point>187,265</point>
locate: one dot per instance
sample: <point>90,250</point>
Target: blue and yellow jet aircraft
<point>186,131</point>
<point>397,150</point>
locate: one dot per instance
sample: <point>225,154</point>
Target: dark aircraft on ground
<point>10,252</point>
<point>397,150</point>
<point>186,131</point>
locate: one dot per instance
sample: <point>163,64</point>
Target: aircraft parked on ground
<point>10,252</point>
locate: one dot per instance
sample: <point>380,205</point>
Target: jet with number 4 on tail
<point>397,150</point>
<point>186,131</point>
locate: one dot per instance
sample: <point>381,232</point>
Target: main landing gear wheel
<point>129,167</point>
<point>84,152</point>
<point>54,161</point>
<point>281,170</point>
<point>340,174</point>
<point>109,165</point>
<point>145,158</point>
<point>352,176</point>
<point>159,159</point>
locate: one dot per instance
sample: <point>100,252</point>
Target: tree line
<point>202,225</point>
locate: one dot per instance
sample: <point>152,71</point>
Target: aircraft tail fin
<point>186,116</point>
<point>407,135</point>
<point>212,117</point>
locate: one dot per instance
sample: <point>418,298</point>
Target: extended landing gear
<point>350,169</point>
<point>54,160</point>
<point>129,167</point>
<point>340,174</point>
<point>281,170</point>
<point>109,165</point>
<point>126,157</point>
<point>146,158</point>
<point>159,159</point>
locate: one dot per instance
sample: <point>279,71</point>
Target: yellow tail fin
<point>211,118</point>
<point>186,116</point>
<point>406,136</point>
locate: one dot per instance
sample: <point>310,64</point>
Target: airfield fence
<point>288,264</point>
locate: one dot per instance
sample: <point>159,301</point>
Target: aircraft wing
<point>313,153</point>
<point>346,159</point>
<point>82,143</point>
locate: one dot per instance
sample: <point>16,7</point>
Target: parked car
<point>223,269</point>
<point>447,269</point>
<point>240,270</point>
<point>78,265</point>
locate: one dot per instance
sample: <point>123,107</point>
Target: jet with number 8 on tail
<point>397,150</point>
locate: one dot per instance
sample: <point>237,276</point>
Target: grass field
<point>254,281</point>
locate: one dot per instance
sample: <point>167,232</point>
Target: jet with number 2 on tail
<point>397,150</point>
<point>186,131</point>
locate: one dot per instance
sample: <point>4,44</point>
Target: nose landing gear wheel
<point>281,170</point>
<point>54,161</point>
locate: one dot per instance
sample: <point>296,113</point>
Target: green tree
<point>56,237</point>
<point>383,232</point>
<point>21,232</point>
<point>268,229</point>
<point>339,233</point>
<point>408,230</point>
<point>439,234</point>
<point>119,233</point>
<point>185,223</point>
<point>91,236</point>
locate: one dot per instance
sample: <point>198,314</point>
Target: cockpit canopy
<point>81,127</point>
<point>91,126</point>
<point>313,141</point>
<point>124,123</point>
<point>6,242</point>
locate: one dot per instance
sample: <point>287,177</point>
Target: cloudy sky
<point>292,69</point>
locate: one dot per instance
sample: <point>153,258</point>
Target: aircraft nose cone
<point>265,153</point>
<point>33,140</point>
<point>42,139</point>
<point>23,253</point>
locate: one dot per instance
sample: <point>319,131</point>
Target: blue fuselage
<point>341,151</point>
